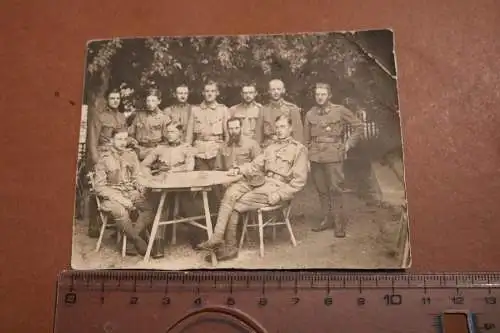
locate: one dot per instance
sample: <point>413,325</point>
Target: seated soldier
<point>285,166</point>
<point>170,156</point>
<point>117,175</point>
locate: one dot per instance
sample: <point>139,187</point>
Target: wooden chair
<point>104,219</point>
<point>285,208</point>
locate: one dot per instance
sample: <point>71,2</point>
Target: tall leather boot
<point>230,249</point>
<point>217,238</point>
<point>327,222</point>
<point>132,233</point>
<point>94,222</point>
<point>143,221</point>
<point>338,212</point>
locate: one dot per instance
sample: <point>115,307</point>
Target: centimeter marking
<point>152,280</point>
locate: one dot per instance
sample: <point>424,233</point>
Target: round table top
<point>189,179</point>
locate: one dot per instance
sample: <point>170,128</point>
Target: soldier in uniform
<point>282,167</point>
<point>172,156</point>
<point>277,107</point>
<point>181,111</point>
<point>238,150</point>
<point>206,129</point>
<point>117,177</point>
<point>249,111</point>
<point>101,124</point>
<point>148,125</point>
<point>323,130</point>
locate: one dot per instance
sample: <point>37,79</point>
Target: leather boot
<point>94,227</point>
<point>133,235</point>
<point>130,249</point>
<point>158,250</point>
<point>231,248</point>
<point>217,238</point>
<point>326,223</point>
<point>340,220</point>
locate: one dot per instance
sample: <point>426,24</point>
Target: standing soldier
<point>148,125</point>
<point>117,183</point>
<point>323,131</point>
<point>101,125</point>
<point>249,111</point>
<point>285,166</point>
<point>180,112</point>
<point>206,129</point>
<point>278,107</point>
<point>172,156</point>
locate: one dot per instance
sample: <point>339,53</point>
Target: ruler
<point>260,301</point>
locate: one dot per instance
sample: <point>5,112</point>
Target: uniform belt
<point>276,176</point>
<point>208,137</point>
<point>149,144</point>
<point>328,139</point>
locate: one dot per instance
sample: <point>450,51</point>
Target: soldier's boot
<point>130,249</point>
<point>340,219</point>
<point>94,228</point>
<point>133,234</point>
<point>217,239</point>
<point>143,221</point>
<point>230,249</point>
<point>327,222</point>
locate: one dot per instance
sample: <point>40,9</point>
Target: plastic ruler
<point>257,301</point>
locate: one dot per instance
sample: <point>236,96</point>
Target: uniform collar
<point>284,141</point>
<point>213,106</point>
<point>116,152</point>
<point>174,144</point>
<point>324,109</point>
<point>110,110</point>
<point>252,103</point>
<point>277,103</point>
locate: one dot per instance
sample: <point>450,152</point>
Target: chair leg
<point>124,245</point>
<point>286,213</point>
<point>101,233</point>
<point>244,230</point>
<point>261,232</point>
<point>274,230</point>
<point>175,213</point>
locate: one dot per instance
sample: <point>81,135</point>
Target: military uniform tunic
<point>233,154</point>
<point>116,182</point>
<point>148,128</point>
<point>207,130</point>
<point>179,113</point>
<point>269,114</point>
<point>101,126</point>
<point>285,166</point>
<point>175,157</point>
<point>250,115</point>
<point>324,130</point>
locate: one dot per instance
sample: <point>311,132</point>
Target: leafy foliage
<point>299,60</point>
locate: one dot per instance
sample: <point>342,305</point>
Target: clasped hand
<point>233,172</point>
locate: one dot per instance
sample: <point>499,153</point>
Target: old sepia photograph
<point>269,151</point>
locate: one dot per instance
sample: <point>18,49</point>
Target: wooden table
<point>193,181</point>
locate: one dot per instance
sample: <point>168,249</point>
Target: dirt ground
<point>369,243</point>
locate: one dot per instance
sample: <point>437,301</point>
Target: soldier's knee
<point>117,211</point>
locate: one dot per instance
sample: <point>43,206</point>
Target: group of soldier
<point>272,146</point>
